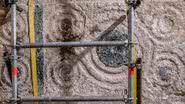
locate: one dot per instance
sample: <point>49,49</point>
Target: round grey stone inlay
<point>165,73</point>
<point>113,56</point>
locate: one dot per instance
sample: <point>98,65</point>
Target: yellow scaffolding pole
<point>33,50</point>
<point>135,74</point>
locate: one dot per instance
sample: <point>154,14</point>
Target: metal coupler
<point>134,3</point>
<point>8,3</point>
<point>139,63</point>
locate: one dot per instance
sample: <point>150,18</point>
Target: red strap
<point>131,71</point>
<point>14,71</point>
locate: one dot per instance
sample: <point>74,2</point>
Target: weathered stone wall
<point>160,29</point>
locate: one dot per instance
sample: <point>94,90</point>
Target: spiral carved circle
<point>167,69</point>
<point>111,77</point>
<point>5,30</point>
<point>65,23</point>
<point>24,75</point>
<point>165,22</point>
<point>60,73</point>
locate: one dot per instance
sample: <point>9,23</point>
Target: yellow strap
<point>135,86</point>
<point>33,50</point>
<point>135,73</point>
<point>126,7</point>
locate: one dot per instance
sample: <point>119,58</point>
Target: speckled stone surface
<point>160,29</point>
<point>115,56</point>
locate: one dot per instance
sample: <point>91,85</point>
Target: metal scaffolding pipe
<point>73,44</point>
<point>71,99</point>
<point>139,80</point>
<point>14,52</point>
<point>14,70</point>
<point>131,50</point>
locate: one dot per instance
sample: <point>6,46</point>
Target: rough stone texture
<point>160,29</point>
<point>113,56</point>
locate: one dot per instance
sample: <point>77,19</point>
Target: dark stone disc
<point>165,73</point>
<point>113,56</point>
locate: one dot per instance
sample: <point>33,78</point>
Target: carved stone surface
<point>159,30</point>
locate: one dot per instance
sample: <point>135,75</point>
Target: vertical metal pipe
<point>14,69</point>
<point>139,80</point>
<point>130,56</point>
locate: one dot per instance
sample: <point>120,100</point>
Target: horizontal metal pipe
<point>73,44</point>
<point>71,99</point>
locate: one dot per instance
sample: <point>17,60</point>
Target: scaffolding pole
<point>14,69</point>
<point>72,99</point>
<point>131,49</point>
<point>73,44</point>
<point>139,80</point>
<point>131,64</point>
